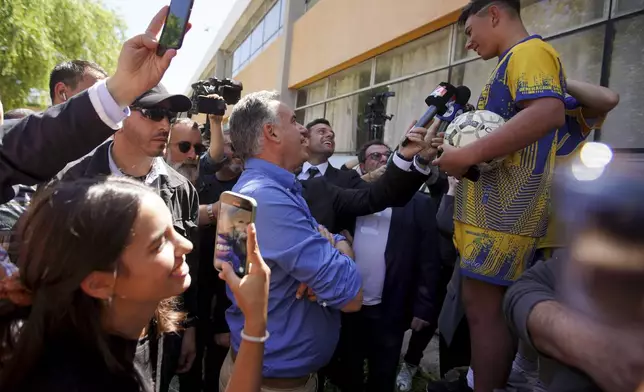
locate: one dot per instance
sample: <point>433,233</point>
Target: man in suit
<point>321,147</point>
<point>397,255</point>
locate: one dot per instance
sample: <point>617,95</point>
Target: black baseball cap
<point>154,97</point>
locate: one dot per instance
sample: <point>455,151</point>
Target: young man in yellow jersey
<point>586,110</point>
<point>500,218</point>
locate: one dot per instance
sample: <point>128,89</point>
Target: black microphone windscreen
<point>463,95</point>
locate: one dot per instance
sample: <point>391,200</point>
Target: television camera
<point>229,90</point>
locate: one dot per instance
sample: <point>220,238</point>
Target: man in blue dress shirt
<point>303,332</point>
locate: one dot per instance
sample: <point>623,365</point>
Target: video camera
<point>229,90</point>
<point>376,114</point>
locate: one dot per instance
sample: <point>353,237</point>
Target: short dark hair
<point>16,114</point>
<point>362,153</point>
<point>476,6</point>
<point>318,121</point>
<point>71,73</point>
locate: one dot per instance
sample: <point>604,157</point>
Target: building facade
<point>328,58</point>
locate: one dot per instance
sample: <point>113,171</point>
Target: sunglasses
<point>155,114</point>
<point>376,156</point>
<point>185,147</point>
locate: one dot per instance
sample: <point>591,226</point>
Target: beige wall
<point>338,33</point>
<point>263,71</point>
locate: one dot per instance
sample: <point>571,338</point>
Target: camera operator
<point>76,127</point>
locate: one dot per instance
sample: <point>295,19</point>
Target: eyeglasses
<point>155,114</point>
<point>185,147</point>
<point>376,156</point>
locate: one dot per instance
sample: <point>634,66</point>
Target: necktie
<point>313,171</point>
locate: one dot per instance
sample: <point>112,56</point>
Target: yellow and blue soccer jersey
<point>569,142</point>
<point>499,218</point>
<point>514,198</point>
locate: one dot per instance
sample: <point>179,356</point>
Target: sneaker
<point>406,377</point>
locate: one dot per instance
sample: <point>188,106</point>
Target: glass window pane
<point>621,7</point>
<point>236,59</point>
<point>624,126</point>
<point>346,115</point>
<point>280,3</point>
<point>548,17</point>
<point>244,51</point>
<point>460,53</point>
<point>581,54</point>
<point>304,116</point>
<point>474,75</point>
<point>257,38</point>
<point>350,80</point>
<point>424,54</point>
<point>272,22</point>
<point>409,103</point>
<point>311,94</point>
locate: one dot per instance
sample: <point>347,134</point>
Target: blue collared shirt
<point>303,333</point>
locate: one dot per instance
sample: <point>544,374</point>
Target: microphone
<point>437,102</point>
<point>454,108</point>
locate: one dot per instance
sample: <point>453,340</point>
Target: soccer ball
<point>471,126</point>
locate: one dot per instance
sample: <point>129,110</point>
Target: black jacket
<point>40,145</point>
<point>331,205</point>
<point>344,178</point>
<point>413,263</point>
<point>178,194</point>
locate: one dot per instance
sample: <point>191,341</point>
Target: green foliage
<point>35,35</point>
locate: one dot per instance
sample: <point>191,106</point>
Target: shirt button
<point>324,304</point>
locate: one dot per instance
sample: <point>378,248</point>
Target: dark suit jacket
<point>344,178</point>
<point>331,205</point>
<point>413,263</point>
<point>40,145</point>
<point>177,193</point>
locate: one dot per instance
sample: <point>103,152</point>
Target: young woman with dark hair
<point>98,260</point>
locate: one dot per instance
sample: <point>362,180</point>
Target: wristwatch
<point>211,214</point>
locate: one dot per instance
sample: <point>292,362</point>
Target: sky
<point>206,18</point>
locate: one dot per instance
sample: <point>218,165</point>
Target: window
<point>305,116</point>
<point>409,103</point>
<point>346,117</point>
<point>272,21</point>
<point>581,54</point>
<point>311,94</point>
<point>257,38</point>
<point>424,54</point>
<point>549,17</point>
<point>624,127</point>
<point>262,35</point>
<point>474,75</point>
<point>621,7</point>
<point>352,79</point>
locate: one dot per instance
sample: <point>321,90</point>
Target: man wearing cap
<point>137,151</point>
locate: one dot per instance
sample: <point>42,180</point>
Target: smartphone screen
<point>175,24</point>
<point>235,214</point>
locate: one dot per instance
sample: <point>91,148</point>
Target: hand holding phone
<point>236,212</point>
<point>176,25</point>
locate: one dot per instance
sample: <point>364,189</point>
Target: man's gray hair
<point>247,121</point>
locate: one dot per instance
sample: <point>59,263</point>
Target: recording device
<point>236,212</point>
<point>229,90</point>
<point>376,114</point>
<point>455,107</point>
<point>176,25</point>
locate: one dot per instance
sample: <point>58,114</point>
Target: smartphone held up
<point>236,212</point>
<point>176,25</point>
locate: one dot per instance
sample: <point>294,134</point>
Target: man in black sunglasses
<point>185,148</point>
<point>138,151</point>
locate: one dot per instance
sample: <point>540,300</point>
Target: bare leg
<point>493,347</point>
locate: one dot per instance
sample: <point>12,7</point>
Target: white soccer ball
<point>471,126</point>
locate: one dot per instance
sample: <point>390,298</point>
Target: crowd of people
<point>110,203</point>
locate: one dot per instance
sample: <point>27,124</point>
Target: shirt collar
<point>158,168</point>
<point>279,174</point>
<point>528,38</point>
<point>322,167</point>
